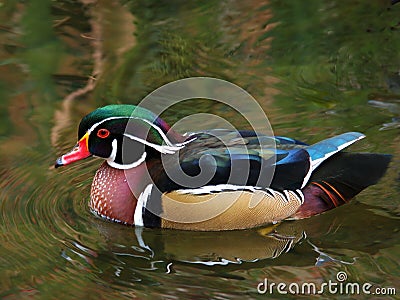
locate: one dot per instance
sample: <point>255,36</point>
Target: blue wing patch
<point>326,148</point>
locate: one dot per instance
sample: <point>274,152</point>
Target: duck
<point>213,180</point>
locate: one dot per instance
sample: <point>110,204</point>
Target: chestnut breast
<point>112,197</point>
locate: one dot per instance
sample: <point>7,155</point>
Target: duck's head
<point>124,135</point>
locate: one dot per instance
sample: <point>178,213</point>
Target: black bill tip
<point>58,163</point>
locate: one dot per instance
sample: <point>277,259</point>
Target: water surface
<point>316,68</point>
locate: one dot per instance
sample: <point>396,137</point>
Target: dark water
<point>317,68</point>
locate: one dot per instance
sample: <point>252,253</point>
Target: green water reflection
<point>313,66</point>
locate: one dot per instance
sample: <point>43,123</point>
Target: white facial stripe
<point>114,146</point>
<point>164,136</point>
<point>169,149</point>
<point>141,204</point>
<point>111,159</point>
<point>163,149</point>
<point>102,121</point>
<point>128,166</point>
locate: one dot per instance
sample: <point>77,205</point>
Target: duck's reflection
<point>344,229</point>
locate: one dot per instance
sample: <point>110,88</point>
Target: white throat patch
<point>111,159</point>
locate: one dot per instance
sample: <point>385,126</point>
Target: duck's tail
<point>339,179</point>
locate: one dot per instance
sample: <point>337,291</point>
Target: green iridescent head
<point>124,135</point>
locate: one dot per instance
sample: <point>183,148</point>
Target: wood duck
<point>216,179</point>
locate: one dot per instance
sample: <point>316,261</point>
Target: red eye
<point>103,133</point>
